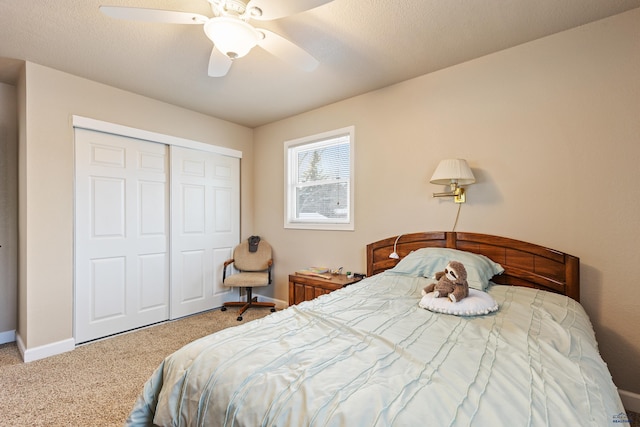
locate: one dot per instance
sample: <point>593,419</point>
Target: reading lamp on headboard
<point>394,254</point>
<point>455,173</point>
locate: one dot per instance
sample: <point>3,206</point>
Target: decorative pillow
<point>476,304</point>
<point>428,261</point>
<point>411,265</point>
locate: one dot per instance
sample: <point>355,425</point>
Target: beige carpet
<point>97,384</point>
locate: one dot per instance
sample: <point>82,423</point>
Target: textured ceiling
<point>361,46</point>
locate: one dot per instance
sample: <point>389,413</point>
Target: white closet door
<point>205,208</point>
<point>122,234</point>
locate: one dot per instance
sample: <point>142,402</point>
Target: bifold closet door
<point>122,234</point>
<point>205,213</point>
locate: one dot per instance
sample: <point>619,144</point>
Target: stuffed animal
<point>452,283</point>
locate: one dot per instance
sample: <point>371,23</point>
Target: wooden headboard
<point>525,264</point>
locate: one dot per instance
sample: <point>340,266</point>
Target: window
<point>319,181</point>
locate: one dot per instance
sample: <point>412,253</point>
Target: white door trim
<point>101,126</point>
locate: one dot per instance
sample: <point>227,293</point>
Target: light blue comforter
<point>367,355</point>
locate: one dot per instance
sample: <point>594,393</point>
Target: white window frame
<point>290,160</point>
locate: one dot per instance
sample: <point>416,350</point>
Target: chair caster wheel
<point>239,318</point>
<point>223,309</point>
<point>273,310</point>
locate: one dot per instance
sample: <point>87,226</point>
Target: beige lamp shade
<point>453,171</point>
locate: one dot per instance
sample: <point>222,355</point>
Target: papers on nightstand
<point>322,272</point>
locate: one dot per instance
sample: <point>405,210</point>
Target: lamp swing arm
<point>455,192</point>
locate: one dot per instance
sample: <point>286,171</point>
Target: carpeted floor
<point>97,384</point>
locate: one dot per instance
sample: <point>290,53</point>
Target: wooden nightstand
<point>305,288</point>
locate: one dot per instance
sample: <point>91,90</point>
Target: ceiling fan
<point>230,31</point>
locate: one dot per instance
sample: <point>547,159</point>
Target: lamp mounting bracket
<point>457,193</point>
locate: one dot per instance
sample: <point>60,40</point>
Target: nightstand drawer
<point>305,288</point>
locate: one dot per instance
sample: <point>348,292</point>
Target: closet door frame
<point>79,122</point>
<point>101,126</point>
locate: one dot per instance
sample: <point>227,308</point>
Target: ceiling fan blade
<point>287,51</point>
<point>153,15</point>
<point>219,63</point>
<point>277,9</point>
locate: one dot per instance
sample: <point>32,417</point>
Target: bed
<point>370,354</point>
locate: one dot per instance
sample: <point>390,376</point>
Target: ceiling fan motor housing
<point>228,7</point>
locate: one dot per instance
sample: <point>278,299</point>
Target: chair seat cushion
<point>245,279</point>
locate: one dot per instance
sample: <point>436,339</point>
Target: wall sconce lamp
<point>455,173</point>
<point>394,254</point>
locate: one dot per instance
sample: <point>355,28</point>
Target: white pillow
<point>476,304</point>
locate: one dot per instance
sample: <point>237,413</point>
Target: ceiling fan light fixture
<point>231,36</point>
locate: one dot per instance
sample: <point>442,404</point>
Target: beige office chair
<point>253,260</point>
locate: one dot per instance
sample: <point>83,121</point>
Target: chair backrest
<point>244,260</point>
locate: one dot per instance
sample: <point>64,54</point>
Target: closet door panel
<point>108,288</point>
<point>122,234</point>
<point>153,270</point>
<point>205,198</point>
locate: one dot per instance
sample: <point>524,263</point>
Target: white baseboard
<point>630,401</point>
<point>44,351</point>
<point>7,336</point>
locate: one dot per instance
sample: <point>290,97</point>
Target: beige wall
<point>46,184</point>
<point>551,130</point>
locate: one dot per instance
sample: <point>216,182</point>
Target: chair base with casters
<point>245,305</point>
